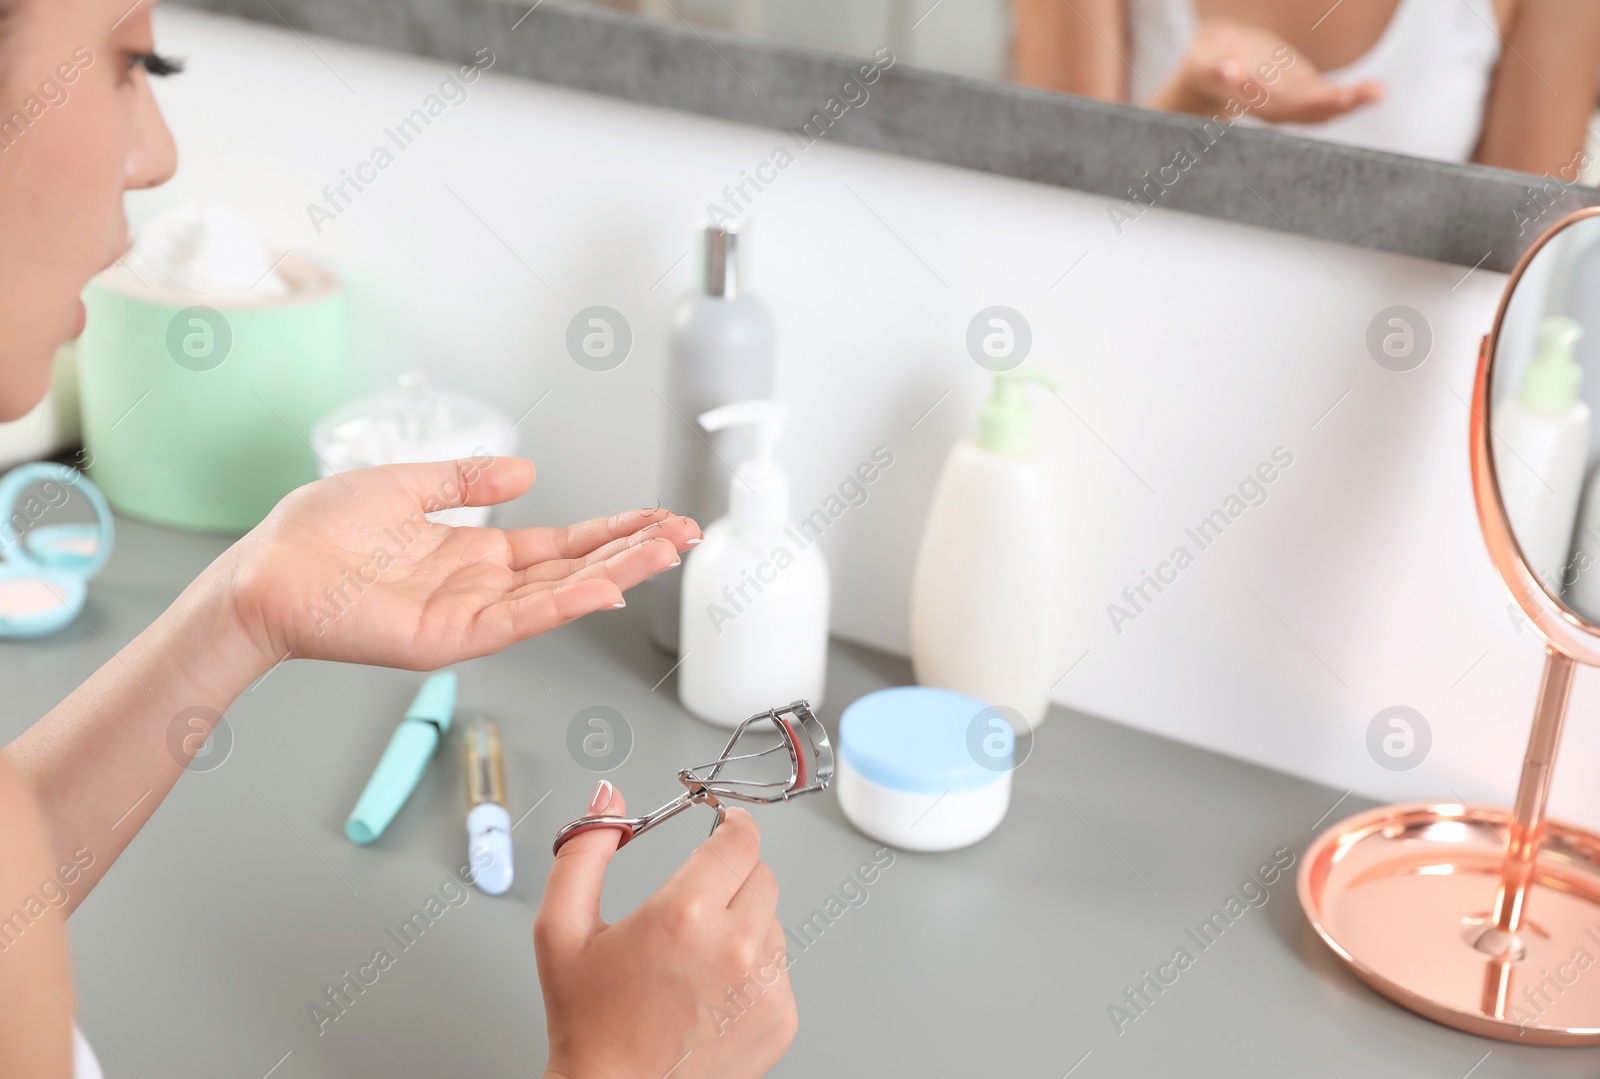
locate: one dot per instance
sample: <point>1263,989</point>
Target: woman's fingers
<point>756,902</point>
<point>531,546</point>
<point>570,911</point>
<point>721,865</point>
<point>632,566</point>
<point>470,481</point>
<point>541,608</point>
<point>1372,90</point>
<point>774,952</point>
<point>1334,100</point>
<point>1226,71</point>
<point>777,940</point>
<point>681,532</point>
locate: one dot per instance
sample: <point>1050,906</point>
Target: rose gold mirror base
<point>1403,894</point>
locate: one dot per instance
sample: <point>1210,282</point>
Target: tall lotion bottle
<point>985,592</point>
<point>719,350</point>
<point>754,621</point>
<point>1544,429</point>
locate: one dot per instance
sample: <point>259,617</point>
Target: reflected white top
<point>1434,58</point>
<point>85,1065</point>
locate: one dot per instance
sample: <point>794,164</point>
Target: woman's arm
<point>1081,49</point>
<point>100,762</point>
<point>348,569</point>
<point>35,976</point>
<point>1544,89</point>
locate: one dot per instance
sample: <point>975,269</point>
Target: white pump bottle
<point>985,591</point>
<point>1544,430</point>
<point>754,620</point>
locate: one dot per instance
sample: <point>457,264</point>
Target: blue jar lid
<point>925,741</point>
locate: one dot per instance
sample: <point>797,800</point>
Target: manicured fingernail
<point>694,542</point>
<point>617,606</point>
<point>602,796</point>
<point>675,563</point>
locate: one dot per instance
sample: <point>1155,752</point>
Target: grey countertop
<point>202,952</point>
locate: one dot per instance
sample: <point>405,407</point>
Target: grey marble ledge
<point>1461,214</point>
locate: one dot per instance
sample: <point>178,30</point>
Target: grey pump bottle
<point>720,350</point>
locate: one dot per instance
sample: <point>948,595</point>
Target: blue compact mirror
<point>55,535</point>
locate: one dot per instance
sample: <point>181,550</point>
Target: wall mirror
<point>1365,122</point>
<point>1506,83</point>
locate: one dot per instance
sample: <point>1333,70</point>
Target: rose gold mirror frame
<point>1396,891</point>
<point>1563,630</point>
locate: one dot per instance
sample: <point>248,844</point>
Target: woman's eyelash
<point>155,64</point>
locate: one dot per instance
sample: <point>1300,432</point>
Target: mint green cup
<point>197,410</point>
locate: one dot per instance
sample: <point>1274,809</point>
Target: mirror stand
<point>1504,938</point>
<point>1484,919</point>
<point>1481,918</point>
<point>1527,815</point>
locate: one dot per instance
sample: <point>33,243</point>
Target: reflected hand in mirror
<point>1510,83</point>
<point>1229,62</point>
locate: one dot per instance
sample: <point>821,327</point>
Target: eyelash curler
<point>801,736</point>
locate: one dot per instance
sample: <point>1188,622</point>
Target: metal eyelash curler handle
<point>804,739</point>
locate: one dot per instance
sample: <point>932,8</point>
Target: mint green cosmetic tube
<point>412,746</point>
<point>197,410</point>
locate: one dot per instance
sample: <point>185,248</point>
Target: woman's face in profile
<point>78,127</point>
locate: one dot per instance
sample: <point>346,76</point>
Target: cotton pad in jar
<point>414,423</point>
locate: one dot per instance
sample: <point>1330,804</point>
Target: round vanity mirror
<point>1480,916</point>
<point>1535,453</point>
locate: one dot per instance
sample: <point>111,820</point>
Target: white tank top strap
<point>1435,59</point>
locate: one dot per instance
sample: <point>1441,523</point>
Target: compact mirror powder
<point>27,597</point>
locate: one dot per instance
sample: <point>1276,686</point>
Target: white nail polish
<point>676,564</point>
<point>617,606</point>
<point>694,542</point>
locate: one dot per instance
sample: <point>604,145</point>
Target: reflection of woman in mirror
<point>1499,82</point>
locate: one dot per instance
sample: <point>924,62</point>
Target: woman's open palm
<point>349,568</point>
<point>1255,67</point>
